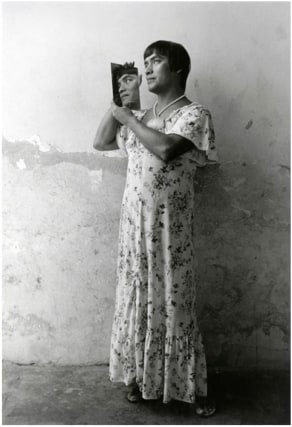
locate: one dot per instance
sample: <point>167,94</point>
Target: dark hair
<point>178,57</point>
<point>126,68</point>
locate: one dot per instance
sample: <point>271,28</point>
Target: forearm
<point>165,146</point>
<point>105,138</point>
<point>156,142</point>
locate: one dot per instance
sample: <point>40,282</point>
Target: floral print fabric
<point>155,337</point>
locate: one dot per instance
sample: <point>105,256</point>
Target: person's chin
<point>125,101</point>
<point>152,87</point>
<point>151,83</point>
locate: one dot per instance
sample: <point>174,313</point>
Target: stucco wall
<point>61,214</point>
<point>61,201</point>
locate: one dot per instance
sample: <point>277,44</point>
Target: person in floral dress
<point>156,345</point>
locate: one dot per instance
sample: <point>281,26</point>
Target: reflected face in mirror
<point>128,85</point>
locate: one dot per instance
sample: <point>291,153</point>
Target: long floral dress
<point>155,337</point>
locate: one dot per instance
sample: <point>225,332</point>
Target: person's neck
<point>164,99</point>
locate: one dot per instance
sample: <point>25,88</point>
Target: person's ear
<point>139,79</point>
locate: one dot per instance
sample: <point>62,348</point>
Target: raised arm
<point>166,147</point>
<point>105,138</point>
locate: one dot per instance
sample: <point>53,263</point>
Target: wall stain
<point>285,167</point>
<point>32,157</point>
<point>249,124</point>
<point>26,325</point>
<point>281,33</point>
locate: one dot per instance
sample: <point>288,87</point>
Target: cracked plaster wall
<point>61,205</point>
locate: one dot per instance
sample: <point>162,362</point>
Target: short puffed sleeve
<point>194,122</point>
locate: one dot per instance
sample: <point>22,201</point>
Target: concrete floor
<point>84,395</point>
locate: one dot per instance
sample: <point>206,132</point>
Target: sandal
<point>135,394</point>
<point>205,407</point>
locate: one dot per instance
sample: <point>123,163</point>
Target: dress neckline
<point>174,111</point>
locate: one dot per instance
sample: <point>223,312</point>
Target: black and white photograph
<point>146,212</point>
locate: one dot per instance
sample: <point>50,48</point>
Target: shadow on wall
<point>60,221</point>
<point>243,264</point>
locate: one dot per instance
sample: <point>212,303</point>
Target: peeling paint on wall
<point>60,220</point>
<point>61,228</point>
<point>21,164</point>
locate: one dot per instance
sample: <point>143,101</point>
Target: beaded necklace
<point>165,108</point>
<point>158,123</point>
